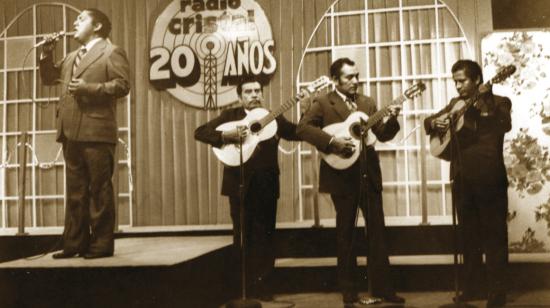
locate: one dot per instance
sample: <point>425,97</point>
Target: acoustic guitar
<point>439,141</point>
<point>260,125</point>
<point>358,122</point>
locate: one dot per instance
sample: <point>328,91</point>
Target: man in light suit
<point>344,185</point>
<point>92,78</point>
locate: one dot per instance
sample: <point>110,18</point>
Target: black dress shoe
<point>393,298</point>
<point>496,300</point>
<point>266,297</point>
<point>369,300</point>
<point>262,293</point>
<point>362,302</point>
<point>353,305</point>
<point>261,289</point>
<point>350,298</point>
<point>65,255</point>
<point>467,296</point>
<point>97,255</point>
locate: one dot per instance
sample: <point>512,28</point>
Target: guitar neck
<point>469,102</point>
<point>380,114</point>
<point>278,111</point>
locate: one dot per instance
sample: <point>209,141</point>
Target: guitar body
<point>439,145</point>
<point>358,120</point>
<point>229,154</point>
<point>349,128</point>
<point>464,130</point>
<point>440,142</point>
<point>261,125</point>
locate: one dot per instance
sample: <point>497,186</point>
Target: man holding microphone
<point>93,78</point>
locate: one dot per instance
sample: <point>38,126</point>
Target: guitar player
<point>479,182</point>
<point>261,189</point>
<point>343,185</point>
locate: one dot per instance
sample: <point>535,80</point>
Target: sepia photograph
<point>274,153</point>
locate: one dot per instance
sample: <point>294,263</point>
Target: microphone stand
<point>363,182</point>
<point>243,302</point>
<point>455,151</point>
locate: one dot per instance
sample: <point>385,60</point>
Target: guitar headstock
<point>504,73</point>
<point>415,90</point>
<point>318,84</point>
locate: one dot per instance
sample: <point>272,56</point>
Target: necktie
<point>351,105</point>
<point>78,58</point>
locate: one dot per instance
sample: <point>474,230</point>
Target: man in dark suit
<point>479,181</point>
<point>344,185</point>
<point>261,187</point>
<point>92,78</point>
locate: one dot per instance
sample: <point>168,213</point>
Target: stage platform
<point>135,252</point>
<point>170,271</point>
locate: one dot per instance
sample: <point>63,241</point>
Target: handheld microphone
<point>55,36</point>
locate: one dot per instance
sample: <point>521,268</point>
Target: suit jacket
<point>481,147</point>
<point>264,158</point>
<point>329,109</point>
<point>91,115</point>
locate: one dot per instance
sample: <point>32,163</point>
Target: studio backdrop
<point>185,58</point>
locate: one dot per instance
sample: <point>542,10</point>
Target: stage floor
<point>135,252</point>
<point>543,257</point>
<point>526,299</point>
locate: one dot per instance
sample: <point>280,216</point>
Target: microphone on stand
<point>55,36</point>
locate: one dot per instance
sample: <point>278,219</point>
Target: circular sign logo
<point>201,49</point>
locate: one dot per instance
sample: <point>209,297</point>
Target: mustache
<point>255,102</point>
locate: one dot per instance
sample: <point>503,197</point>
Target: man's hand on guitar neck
<point>441,125</point>
<point>484,105</point>
<point>341,146</point>
<point>234,135</point>
<point>304,94</point>
<point>394,110</point>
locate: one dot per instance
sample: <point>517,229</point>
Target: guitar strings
<point>398,143</point>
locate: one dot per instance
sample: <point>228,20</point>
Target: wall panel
<point>177,180</point>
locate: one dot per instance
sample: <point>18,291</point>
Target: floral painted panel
<point>527,145</point>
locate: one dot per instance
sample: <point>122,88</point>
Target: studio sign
<point>200,49</point>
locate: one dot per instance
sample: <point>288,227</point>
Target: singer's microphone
<point>55,36</point>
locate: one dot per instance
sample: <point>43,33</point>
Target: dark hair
<point>471,69</point>
<point>99,17</point>
<point>247,79</point>
<point>336,66</point>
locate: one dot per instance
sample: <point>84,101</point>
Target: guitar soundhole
<point>255,127</point>
<point>355,130</point>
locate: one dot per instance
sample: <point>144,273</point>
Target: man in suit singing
<point>344,185</point>
<point>92,78</point>
<point>261,184</point>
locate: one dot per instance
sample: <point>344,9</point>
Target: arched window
<point>394,43</point>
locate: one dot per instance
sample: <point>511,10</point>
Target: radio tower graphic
<point>210,78</point>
